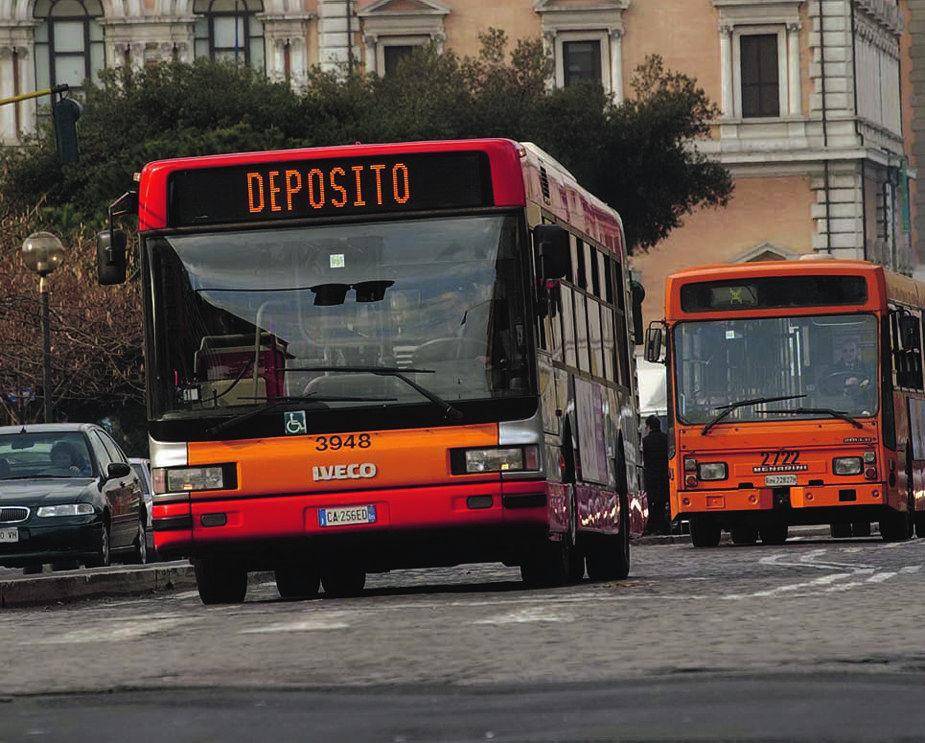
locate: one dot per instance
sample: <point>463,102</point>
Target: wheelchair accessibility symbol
<point>295,422</point>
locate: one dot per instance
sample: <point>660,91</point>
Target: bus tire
<point>840,531</point>
<point>744,534</point>
<point>705,532</point>
<point>295,582</point>
<point>895,526</point>
<point>219,582</point>
<point>343,581</point>
<point>774,533</point>
<point>860,529</point>
<point>609,556</point>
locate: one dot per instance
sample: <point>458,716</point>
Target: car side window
<point>115,453</point>
<point>99,450</point>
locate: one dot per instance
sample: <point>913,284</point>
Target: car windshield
<point>442,298</point>
<point>34,455</point>
<point>825,362</point>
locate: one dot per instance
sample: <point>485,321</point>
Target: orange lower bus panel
<point>762,499</point>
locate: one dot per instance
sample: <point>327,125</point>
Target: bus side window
<point>623,361</point>
<point>581,332</point>
<point>594,337</point>
<point>578,263</point>
<point>906,351</point>
<point>568,325</point>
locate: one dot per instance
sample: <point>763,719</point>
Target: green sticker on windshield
<point>337,260</point>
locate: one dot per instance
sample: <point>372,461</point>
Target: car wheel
<point>219,582</point>
<point>343,580</point>
<point>296,582</point>
<point>705,532</point>
<point>103,555</point>
<point>140,545</point>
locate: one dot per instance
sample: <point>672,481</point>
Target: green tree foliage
<point>637,156</point>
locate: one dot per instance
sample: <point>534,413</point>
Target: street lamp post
<point>43,252</point>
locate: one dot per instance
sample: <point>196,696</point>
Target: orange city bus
<point>382,356</point>
<point>796,397</point>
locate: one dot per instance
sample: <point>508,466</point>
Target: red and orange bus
<point>797,397</point>
<point>381,356</point>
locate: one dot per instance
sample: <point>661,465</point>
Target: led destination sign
<point>324,188</point>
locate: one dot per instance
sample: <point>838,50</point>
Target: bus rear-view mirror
<point>110,257</point>
<point>554,250</point>
<point>654,338</point>
<point>639,294</point>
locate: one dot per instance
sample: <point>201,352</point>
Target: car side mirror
<point>554,250</point>
<point>110,257</point>
<point>654,338</point>
<point>118,469</point>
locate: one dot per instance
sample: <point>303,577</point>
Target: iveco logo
<point>344,472</point>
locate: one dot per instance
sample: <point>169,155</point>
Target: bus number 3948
<point>335,442</point>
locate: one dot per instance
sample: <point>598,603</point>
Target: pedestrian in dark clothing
<point>655,467</point>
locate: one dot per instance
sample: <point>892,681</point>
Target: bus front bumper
<point>794,498</point>
<point>293,521</point>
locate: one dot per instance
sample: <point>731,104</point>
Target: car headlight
<point>182,479</point>
<point>847,466</point>
<point>712,471</point>
<point>65,509</point>
<point>507,459</point>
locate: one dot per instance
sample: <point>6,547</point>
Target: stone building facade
<point>816,95</point>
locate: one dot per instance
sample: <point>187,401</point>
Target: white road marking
<point>125,630</point>
<point>330,621</point>
<point>880,577</point>
<point>910,569</point>
<point>524,616</point>
<point>814,583</point>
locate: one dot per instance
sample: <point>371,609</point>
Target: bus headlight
<point>503,459</point>
<point>847,465</point>
<point>712,471</point>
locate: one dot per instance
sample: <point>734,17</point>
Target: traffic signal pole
<point>64,115</point>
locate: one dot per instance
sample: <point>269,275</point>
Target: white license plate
<point>777,481</point>
<point>348,515</point>
<point>9,535</point>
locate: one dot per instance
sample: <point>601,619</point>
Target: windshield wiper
<point>841,414</point>
<point>725,410</point>
<point>449,411</point>
<point>279,401</point>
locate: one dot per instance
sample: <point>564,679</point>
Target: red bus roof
<point>504,156</point>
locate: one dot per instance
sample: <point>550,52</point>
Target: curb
<point>795,531</point>
<point>65,588</point>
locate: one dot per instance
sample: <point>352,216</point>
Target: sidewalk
<point>74,585</point>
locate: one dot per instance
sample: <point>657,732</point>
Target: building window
<point>394,54</point>
<point>229,30</point>
<point>760,76</point>
<point>581,62</point>
<point>69,47</point>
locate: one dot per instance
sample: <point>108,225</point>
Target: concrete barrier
<point>58,588</point>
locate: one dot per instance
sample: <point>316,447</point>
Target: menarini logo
<point>344,472</point>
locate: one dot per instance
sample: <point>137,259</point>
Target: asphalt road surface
<point>817,639</point>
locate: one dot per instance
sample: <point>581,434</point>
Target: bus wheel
<point>920,524</point>
<point>860,529</point>
<point>343,581</point>
<point>774,533</point>
<point>895,526</point>
<point>705,532</point>
<point>609,556</point>
<point>550,564</point>
<point>840,531</point>
<point>297,582</point>
<point>220,583</point>
<point>745,535</point>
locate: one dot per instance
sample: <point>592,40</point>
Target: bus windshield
<point>252,316</point>
<point>825,362</point>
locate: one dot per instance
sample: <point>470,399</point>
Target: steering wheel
<point>448,349</point>
<point>836,382</point>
